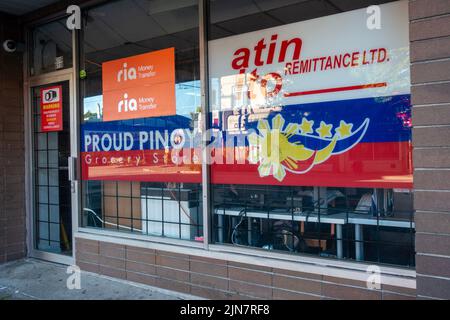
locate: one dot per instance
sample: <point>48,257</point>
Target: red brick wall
<point>12,163</point>
<point>430,77</point>
<point>220,279</point>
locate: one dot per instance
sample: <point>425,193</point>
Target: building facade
<point>231,149</point>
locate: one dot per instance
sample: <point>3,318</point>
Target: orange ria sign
<point>139,86</point>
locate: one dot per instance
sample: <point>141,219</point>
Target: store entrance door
<point>53,198</point>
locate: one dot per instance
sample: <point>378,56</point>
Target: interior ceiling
<point>21,7</point>
<point>128,26</point>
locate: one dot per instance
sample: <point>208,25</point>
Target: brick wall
<point>430,77</point>
<point>220,279</point>
<point>12,163</point>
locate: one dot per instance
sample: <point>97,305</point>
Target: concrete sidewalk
<point>35,279</point>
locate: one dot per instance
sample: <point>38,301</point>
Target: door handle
<point>72,162</point>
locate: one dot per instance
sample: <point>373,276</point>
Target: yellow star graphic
<point>324,130</point>
<point>306,126</point>
<point>345,129</point>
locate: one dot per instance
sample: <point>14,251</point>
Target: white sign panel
<point>326,59</point>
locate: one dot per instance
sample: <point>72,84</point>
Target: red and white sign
<point>51,109</point>
<point>332,58</point>
<point>139,86</point>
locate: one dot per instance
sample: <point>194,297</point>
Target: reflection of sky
<point>187,99</point>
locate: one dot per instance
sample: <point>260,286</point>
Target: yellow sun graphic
<point>271,148</point>
<point>277,150</point>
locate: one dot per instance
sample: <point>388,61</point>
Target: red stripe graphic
<point>339,89</point>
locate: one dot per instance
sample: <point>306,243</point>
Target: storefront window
<point>51,48</point>
<point>141,101</point>
<point>309,138</point>
<point>311,112</point>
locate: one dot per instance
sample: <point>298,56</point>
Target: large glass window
<point>141,99</point>
<point>311,111</point>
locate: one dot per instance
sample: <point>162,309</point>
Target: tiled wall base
<point>219,279</point>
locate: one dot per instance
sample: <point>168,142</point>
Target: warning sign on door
<point>51,109</point>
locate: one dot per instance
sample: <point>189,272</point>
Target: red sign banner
<point>51,109</point>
